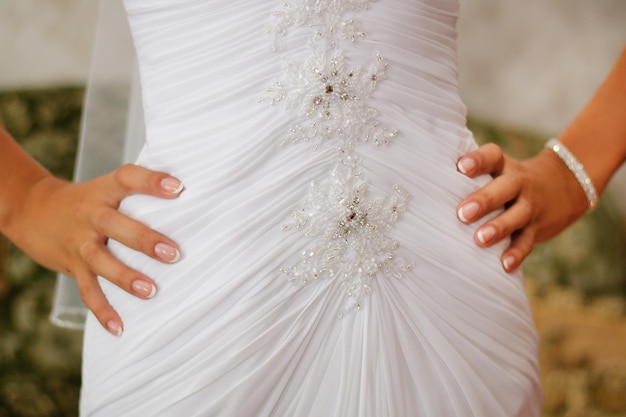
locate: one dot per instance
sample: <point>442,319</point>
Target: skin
<point>65,226</point>
<point>542,197</point>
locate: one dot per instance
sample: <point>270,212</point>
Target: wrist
<point>576,169</point>
<point>574,196</point>
<point>20,173</point>
<point>16,214</point>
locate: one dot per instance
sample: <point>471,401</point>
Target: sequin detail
<point>326,17</point>
<point>331,97</point>
<point>348,228</point>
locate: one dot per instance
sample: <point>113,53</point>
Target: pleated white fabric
<point>446,333</point>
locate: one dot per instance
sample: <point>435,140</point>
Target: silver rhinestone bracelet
<point>577,169</point>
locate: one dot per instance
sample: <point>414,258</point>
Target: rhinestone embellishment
<point>347,227</point>
<point>331,98</point>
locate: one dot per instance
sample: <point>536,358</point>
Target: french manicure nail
<point>468,211</point>
<point>465,165</point>
<point>144,288</point>
<point>166,252</point>
<point>508,262</point>
<point>114,328</point>
<point>172,185</point>
<point>485,234</point>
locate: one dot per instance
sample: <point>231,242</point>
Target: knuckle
<point>123,174</point>
<point>121,275</point>
<point>146,238</point>
<point>88,294</point>
<point>515,182</point>
<point>501,229</point>
<point>89,252</point>
<point>104,219</point>
<point>83,207</point>
<point>124,277</point>
<point>493,151</point>
<point>523,249</point>
<point>488,199</point>
<point>92,296</point>
<point>493,147</point>
<point>140,237</point>
<point>493,158</point>
<point>526,250</point>
<point>525,211</point>
<point>525,242</point>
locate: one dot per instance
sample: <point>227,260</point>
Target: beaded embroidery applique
<point>326,17</point>
<point>348,228</point>
<point>332,96</point>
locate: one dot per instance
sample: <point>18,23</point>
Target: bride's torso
<point>205,65</point>
<point>250,101</point>
<point>230,90</point>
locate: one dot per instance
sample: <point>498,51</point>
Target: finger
<point>488,159</point>
<point>136,235</point>
<point>514,218</point>
<point>489,198</point>
<point>521,246</point>
<point>133,179</point>
<point>100,262</point>
<point>96,302</point>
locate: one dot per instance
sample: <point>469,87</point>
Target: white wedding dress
<point>324,272</point>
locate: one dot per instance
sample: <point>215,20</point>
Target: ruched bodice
<point>324,272</point>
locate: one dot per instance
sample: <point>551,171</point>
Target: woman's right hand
<point>65,227</point>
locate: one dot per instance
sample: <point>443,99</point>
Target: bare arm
<point>65,226</point>
<point>541,194</point>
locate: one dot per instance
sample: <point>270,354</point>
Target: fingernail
<point>465,165</point>
<point>114,328</point>
<point>485,234</point>
<point>166,252</point>
<point>172,185</point>
<point>144,288</point>
<point>468,211</point>
<point>508,262</point>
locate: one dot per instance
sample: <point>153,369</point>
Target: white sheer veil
<point>112,128</point>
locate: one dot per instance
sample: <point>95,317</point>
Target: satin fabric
<point>227,334</point>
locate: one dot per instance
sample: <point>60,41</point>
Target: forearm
<point>597,136</point>
<point>18,175</point>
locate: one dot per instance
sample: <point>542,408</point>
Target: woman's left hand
<point>540,195</point>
